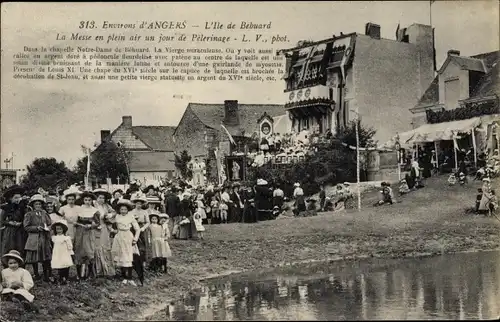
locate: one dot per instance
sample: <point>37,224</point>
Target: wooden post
<point>436,153</point>
<point>473,134</point>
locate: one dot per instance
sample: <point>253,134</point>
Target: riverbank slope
<point>432,220</point>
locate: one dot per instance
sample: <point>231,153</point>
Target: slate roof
<point>487,85</point>
<point>212,116</point>
<point>147,161</point>
<point>431,95</point>
<point>158,138</point>
<point>469,63</point>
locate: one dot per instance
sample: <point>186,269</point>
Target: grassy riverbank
<point>429,221</point>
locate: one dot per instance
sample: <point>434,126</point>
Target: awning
<point>434,132</point>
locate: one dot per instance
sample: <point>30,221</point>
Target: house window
<point>305,124</point>
<point>451,93</point>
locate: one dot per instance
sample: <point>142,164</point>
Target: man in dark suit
<point>172,206</point>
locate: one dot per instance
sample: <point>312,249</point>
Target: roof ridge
<point>239,104</point>
<point>153,126</point>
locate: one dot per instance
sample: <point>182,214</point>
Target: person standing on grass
<point>263,200</point>
<point>237,203</point>
<point>172,207</point>
<point>62,251</point>
<point>322,197</point>
<point>298,194</point>
<point>278,197</point>
<point>142,218</point>
<point>12,233</point>
<point>104,260</point>
<point>85,241</point>
<point>227,203</point>
<point>38,245</point>
<point>125,242</point>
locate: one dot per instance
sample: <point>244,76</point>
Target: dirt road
<point>428,221</point>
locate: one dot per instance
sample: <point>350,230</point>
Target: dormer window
<point>451,93</point>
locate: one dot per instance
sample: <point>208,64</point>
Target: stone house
<point>149,149</point>
<point>200,127</point>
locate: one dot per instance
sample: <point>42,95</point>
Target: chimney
<point>453,52</point>
<point>372,30</point>
<point>104,135</point>
<point>127,121</point>
<point>231,113</point>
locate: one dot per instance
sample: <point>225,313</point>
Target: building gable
<point>129,140</point>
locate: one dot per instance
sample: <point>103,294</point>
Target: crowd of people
<point>103,234</point>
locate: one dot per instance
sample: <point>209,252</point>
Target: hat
<point>153,199</point>
<point>13,254</point>
<point>236,184</point>
<point>163,216</point>
<point>12,191</point>
<point>117,190</point>
<point>296,184</point>
<point>61,223</point>
<point>124,202</point>
<point>486,179</point>
<point>347,183</point>
<point>101,191</point>
<point>71,191</point>
<point>154,215</point>
<point>87,194</point>
<point>133,182</point>
<point>261,182</point>
<point>37,197</point>
<point>139,197</point>
<point>149,187</point>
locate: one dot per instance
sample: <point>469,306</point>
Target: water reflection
<point>461,286</point>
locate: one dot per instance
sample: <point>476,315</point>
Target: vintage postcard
<point>319,160</point>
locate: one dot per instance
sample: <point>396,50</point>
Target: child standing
<point>124,242</point>
<point>198,222</point>
<point>160,249</point>
<point>38,245</point>
<point>214,204</point>
<point>166,236</point>
<point>16,281</point>
<point>223,211</point>
<point>63,249</point>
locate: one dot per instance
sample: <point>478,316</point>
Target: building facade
<point>464,88</point>
<point>149,150</point>
<point>201,127</point>
<point>331,82</point>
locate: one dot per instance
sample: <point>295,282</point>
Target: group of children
<point>93,235</point>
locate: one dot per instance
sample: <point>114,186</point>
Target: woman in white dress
<point>70,210</point>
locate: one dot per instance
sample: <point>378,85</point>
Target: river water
<point>458,286</point>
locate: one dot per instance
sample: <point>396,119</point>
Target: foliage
<point>463,113</point>
<point>332,163</point>
<point>366,135</point>
<point>181,163</point>
<point>46,173</point>
<point>106,161</point>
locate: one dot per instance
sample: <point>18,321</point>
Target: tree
<point>347,135</point>
<point>46,173</point>
<point>182,164</point>
<point>106,161</point>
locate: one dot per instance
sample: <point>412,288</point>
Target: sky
<point>54,118</point>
